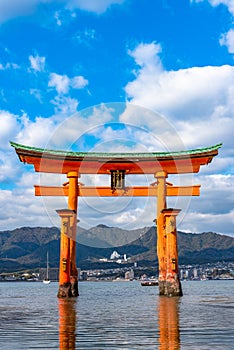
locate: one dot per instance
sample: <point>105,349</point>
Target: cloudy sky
<point>117,75</point>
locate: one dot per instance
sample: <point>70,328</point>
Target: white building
<point>129,275</point>
<point>115,255</point>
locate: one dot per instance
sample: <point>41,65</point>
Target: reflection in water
<point>67,324</point>
<point>168,319</point>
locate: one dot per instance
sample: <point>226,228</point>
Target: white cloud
<point>209,132</point>
<point>65,105</point>
<point>197,101</point>
<point>21,208</point>
<point>62,83</point>
<point>215,187</point>
<point>199,222</point>
<point>9,127</point>
<point>57,17</point>
<point>22,130</point>
<point>55,132</point>
<point>227,39</point>
<point>129,216</point>
<point>196,110</point>
<point>14,8</point>
<point>153,130</point>
<point>37,63</point>
<point>35,133</point>
<point>79,82</point>
<point>9,65</point>
<point>59,82</point>
<point>37,94</point>
<point>71,129</point>
<point>8,167</point>
<point>147,55</point>
<point>228,3</point>
<point>99,6</point>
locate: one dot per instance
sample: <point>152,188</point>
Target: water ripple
<point>117,316</point>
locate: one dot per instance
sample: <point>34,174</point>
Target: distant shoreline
<point>200,280</point>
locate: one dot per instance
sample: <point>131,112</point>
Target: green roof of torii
<point>56,161</point>
<point>115,155</point>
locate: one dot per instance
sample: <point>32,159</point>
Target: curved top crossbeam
<point>57,161</point>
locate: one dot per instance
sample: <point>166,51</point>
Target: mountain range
<point>26,247</point>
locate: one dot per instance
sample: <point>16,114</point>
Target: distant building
<point>103,259</point>
<point>129,275</point>
<point>115,255</point>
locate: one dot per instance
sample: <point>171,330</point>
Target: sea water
<point>117,315</point>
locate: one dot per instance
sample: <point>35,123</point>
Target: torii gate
<point>118,166</point>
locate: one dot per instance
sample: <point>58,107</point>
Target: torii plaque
<point>118,166</point>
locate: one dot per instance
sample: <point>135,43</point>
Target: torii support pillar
<point>72,205</point>
<point>64,266</point>
<point>161,237</point>
<point>172,285</point>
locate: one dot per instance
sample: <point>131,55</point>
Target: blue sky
<point>117,75</point>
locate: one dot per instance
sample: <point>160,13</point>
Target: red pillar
<point>172,284</point>
<point>161,237</point>
<point>64,266</point>
<point>161,253</point>
<point>72,205</point>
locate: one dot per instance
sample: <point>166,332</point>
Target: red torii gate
<point>118,166</point>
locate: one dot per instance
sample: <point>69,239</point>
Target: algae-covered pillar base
<point>65,290</point>
<point>172,285</point>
